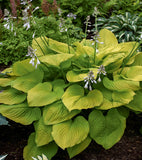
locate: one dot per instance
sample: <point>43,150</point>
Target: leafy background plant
<point>126,28</point>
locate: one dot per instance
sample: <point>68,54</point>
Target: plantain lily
<point>72,99</point>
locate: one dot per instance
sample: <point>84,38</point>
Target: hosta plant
<point>73,95</point>
<point>126,27</point>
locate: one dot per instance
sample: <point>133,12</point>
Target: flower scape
<point>70,98</point>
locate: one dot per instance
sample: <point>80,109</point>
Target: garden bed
<point>13,138</point>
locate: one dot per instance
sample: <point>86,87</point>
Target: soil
<point>13,139</point>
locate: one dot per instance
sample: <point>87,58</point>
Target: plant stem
<point>68,42</point>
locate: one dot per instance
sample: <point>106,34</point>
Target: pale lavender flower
<point>43,157</point>
<point>1,43</point>
<point>59,12</point>
<point>71,15</point>
<point>62,27</point>
<point>96,12</point>
<point>101,70</point>
<point>27,25</point>
<point>31,53</point>
<point>89,80</point>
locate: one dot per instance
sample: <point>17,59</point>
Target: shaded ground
<point>13,139</point>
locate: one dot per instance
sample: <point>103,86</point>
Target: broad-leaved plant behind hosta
<point>73,95</point>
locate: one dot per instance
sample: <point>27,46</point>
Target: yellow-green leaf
<point>136,103</point>
<point>69,133</point>
<point>20,113</point>
<point>120,85</point>
<point>74,98</point>
<point>55,60</point>
<point>73,151</point>
<point>42,94</point>
<point>12,96</point>
<point>4,82</point>
<point>21,68</point>
<point>106,130</point>
<point>108,38</point>
<point>42,133</point>
<point>28,81</point>
<point>77,75</point>
<point>56,112</point>
<point>31,150</point>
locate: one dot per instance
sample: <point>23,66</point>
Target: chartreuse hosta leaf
<point>110,59</point>
<point>138,60</point>
<point>4,82</point>
<point>115,98</point>
<point>136,103</point>
<point>74,98</point>
<point>78,75</point>
<point>108,39</point>
<point>28,81</point>
<point>60,47</point>
<point>21,68</point>
<point>42,133</point>
<point>134,73</point>
<point>40,45</point>
<point>73,151</point>
<point>12,96</point>
<point>44,46</point>
<point>20,113</point>
<point>71,132</point>
<point>127,47</point>
<point>42,94</point>
<point>106,130</point>
<point>8,71</point>
<point>31,150</point>
<point>56,112</point>
<point>83,49</point>
<point>55,60</point>
<point>120,85</point>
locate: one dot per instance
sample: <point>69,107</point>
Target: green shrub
<point>83,8</point>
<point>74,95</point>
<point>123,6</point>
<point>14,46</point>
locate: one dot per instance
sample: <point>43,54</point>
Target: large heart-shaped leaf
<point>4,82</point>
<point>73,151</point>
<point>31,150</point>
<point>120,85</point>
<point>21,68</point>
<point>42,94</point>
<point>136,103</point>
<point>40,45</point>
<point>56,113</point>
<point>20,113</point>
<point>28,81</point>
<point>79,75</point>
<point>138,60</point>
<point>70,133</point>
<point>114,99</point>
<point>135,73</point>
<point>43,133</point>
<point>55,60</point>
<point>108,38</point>
<point>12,96</point>
<point>74,98</point>
<point>60,47</point>
<point>106,130</point>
